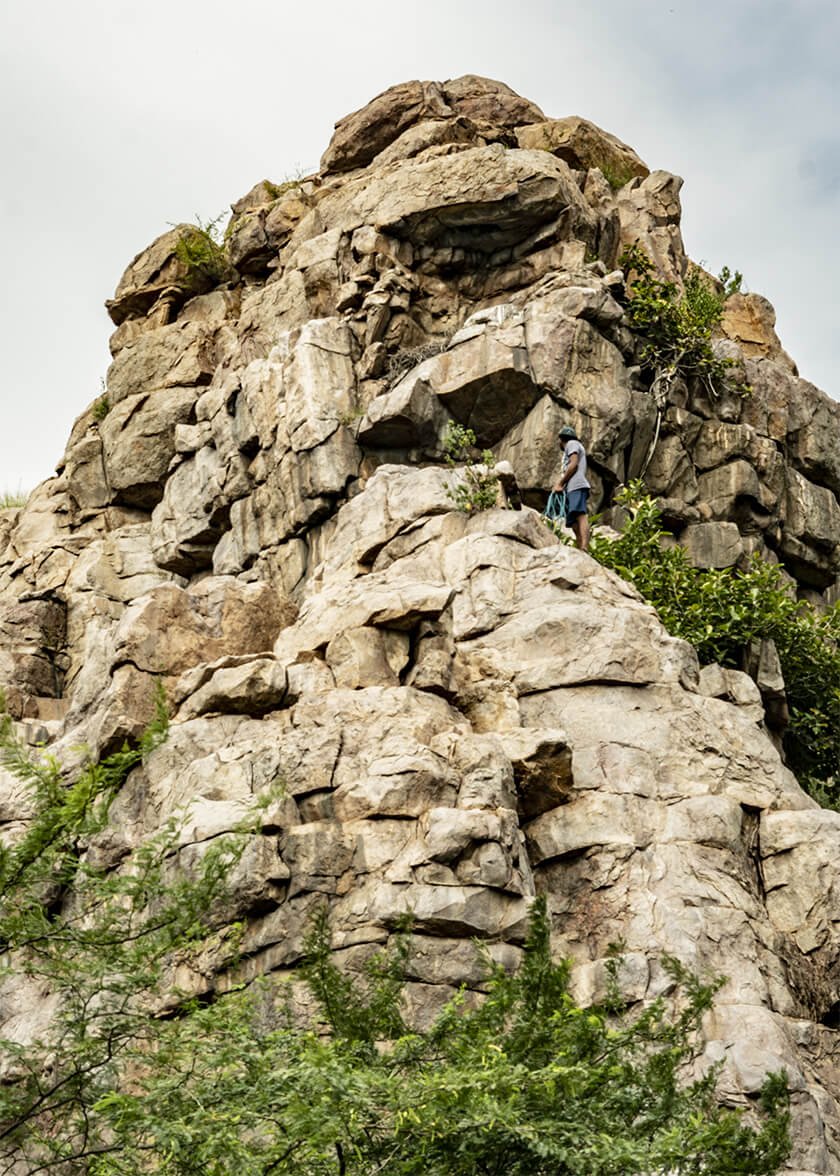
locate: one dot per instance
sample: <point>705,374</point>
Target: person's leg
<point>580,526</point>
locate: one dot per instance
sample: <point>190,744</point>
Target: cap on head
<point>567,433</point>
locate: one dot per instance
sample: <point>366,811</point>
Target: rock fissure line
<point>303,588</point>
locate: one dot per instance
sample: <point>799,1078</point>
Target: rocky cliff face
<point>464,711</point>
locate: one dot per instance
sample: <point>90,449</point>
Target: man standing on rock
<point>574,482</point>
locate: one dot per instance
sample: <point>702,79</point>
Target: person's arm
<point>567,474</point>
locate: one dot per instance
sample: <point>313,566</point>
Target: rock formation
<point>463,710</point>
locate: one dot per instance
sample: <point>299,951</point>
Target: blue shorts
<point>576,501</point>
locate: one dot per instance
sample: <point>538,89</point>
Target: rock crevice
<point>463,711</point>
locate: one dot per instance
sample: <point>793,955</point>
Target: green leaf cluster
<point>202,255</point>
<point>101,408</point>
<point>100,941</point>
<point>731,281</point>
<point>722,611</point>
<point>677,329</point>
<point>130,1078</point>
<point>523,1083</point>
<point>478,487</point>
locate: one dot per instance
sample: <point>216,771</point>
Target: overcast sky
<point>119,118</point>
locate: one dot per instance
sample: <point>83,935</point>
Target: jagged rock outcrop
<point>464,711</point>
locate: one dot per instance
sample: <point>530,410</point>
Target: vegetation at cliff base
<point>132,1076</point>
<point>98,937</point>
<point>722,611</point>
<point>523,1084</point>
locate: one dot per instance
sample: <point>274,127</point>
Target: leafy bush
<point>721,612</point>
<point>731,281</point>
<point>101,408</point>
<point>677,330</point>
<point>275,191</point>
<point>527,1082</point>
<point>201,253</point>
<point>616,175</point>
<point>480,486</point>
<point>100,941</point>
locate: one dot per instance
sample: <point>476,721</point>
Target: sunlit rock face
<point>463,711</point>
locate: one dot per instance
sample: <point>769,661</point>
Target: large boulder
<point>583,145</point>
<point>445,712</point>
<point>178,264</point>
<point>360,137</point>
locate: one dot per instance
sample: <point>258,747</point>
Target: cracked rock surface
<point>463,711</point>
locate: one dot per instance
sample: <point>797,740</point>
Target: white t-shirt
<point>578,480</point>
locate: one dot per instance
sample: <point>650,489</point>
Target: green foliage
<point>526,1083</point>
<point>10,499</point>
<point>275,191</point>
<point>731,281</point>
<point>677,330</point>
<point>102,941</point>
<point>101,408</point>
<point>616,176</point>
<point>721,611</point>
<point>478,488</point>
<point>201,253</point>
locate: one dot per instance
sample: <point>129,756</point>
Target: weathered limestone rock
<point>720,682</point>
<point>171,629</point>
<point>583,146</point>
<point>488,101</point>
<point>461,710</point>
<point>712,545</point>
<point>483,199</point>
<point>363,135</point>
<point>360,136</point>
<point>410,415</point>
<point>484,378</point>
<point>159,275</point>
<point>649,211</point>
<point>138,443</point>
<point>750,320</point>
<point>167,357</point>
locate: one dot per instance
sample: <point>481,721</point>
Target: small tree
<point>526,1083</point>
<point>130,1079</point>
<point>478,488</point>
<point>100,942</point>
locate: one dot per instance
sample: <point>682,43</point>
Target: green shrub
<point>677,330</point>
<point>616,175</point>
<point>275,191</point>
<point>101,408</point>
<point>526,1084</point>
<point>101,941</point>
<point>730,281</point>
<point>202,255</point>
<point>721,612</point>
<point>479,487</point>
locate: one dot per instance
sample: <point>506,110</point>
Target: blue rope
<point>555,508</point>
